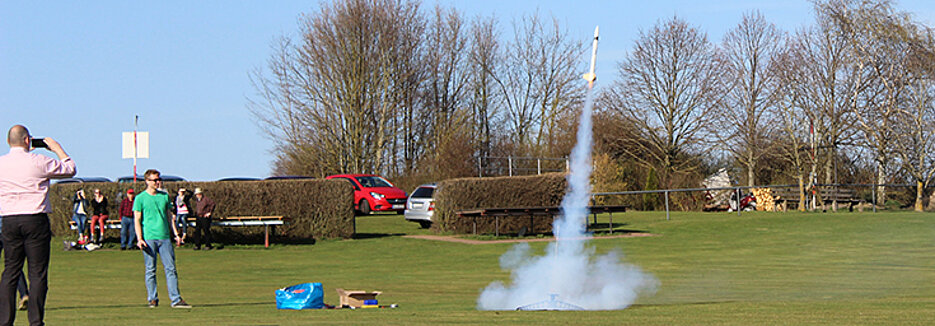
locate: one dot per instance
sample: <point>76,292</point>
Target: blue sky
<point>79,71</point>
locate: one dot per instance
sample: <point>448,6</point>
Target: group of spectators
<point>181,208</point>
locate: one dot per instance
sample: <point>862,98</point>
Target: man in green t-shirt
<point>151,209</point>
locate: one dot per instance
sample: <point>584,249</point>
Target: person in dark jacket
<point>127,229</point>
<point>204,207</point>
<point>99,207</point>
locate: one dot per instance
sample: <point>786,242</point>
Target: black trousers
<point>25,238</point>
<point>202,232</point>
<point>21,285</point>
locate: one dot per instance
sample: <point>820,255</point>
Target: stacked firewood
<point>764,199</point>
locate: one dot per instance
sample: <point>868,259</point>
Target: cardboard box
<point>355,298</point>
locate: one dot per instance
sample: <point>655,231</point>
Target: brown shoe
<point>153,303</point>
<point>23,302</point>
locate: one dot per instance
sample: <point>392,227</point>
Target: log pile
<point>764,199</point>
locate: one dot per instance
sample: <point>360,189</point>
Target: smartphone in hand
<point>39,143</point>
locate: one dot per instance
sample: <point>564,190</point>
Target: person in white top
<point>182,209</point>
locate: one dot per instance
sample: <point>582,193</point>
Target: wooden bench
<point>828,195</point>
<point>531,212</point>
<point>782,197</point>
<point>265,221</point>
<point>110,223</point>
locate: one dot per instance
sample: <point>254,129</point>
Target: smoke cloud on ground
<point>570,273</point>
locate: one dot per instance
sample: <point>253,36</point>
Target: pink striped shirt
<point>24,181</point>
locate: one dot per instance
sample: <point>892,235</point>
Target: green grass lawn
<point>713,268</point>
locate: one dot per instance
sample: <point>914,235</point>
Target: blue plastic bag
<point>300,296</point>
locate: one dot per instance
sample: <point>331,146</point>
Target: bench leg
<point>609,225</point>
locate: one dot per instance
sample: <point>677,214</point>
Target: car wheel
<point>363,207</point>
<point>425,224</point>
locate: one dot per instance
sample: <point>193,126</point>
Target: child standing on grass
<point>151,209</point>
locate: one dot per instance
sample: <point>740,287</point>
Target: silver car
<point>421,205</point>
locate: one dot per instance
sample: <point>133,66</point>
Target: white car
<point>421,205</point>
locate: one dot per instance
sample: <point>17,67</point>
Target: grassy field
<point>713,269</point>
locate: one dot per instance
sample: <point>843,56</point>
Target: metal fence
<point>491,166</point>
<point>737,190</point>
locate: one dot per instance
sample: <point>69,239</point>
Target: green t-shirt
<point>154,208</point>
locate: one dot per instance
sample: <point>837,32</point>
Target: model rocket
<point>590,76</point>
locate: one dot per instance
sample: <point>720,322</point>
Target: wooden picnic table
<point>531,212</point>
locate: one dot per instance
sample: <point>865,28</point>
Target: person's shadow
<point>360,236</point>
<point>142,305</point>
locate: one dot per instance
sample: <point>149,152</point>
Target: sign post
<point>135,145</point>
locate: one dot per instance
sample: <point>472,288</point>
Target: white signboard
<point>142,144</point>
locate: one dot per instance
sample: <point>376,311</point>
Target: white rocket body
<point>590,76</point>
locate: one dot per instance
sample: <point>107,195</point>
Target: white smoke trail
<point>569,270</point>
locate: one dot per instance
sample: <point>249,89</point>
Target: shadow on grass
<point>360,236</point>
<point>112,306</point>
<point>650,305</point>
<point>607,232</point>
<point>606,225</point>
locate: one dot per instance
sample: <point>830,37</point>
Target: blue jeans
<point>182,223</point>
<point>127,232</point>
<point>82,222</point>
<point>164,248</point>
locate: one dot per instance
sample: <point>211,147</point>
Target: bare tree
<point>790,113</point>
<point>915,145</point>
<point>337,92</point>
<point>668,85</point>
<point>743,123</point>
<point>485,62</point>
<point>827,94</point>
<point>536,83</point>
<point>877,36</point>
<point>445,92</point>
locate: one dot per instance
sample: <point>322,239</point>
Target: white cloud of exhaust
<point>570,274</point>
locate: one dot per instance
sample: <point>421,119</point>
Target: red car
<point>373,193</point>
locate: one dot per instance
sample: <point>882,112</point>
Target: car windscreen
<point>423,192</point>
<point>373,182</point>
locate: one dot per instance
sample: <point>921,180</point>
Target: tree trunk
<point>829,172</point>
<point>881,190</point>
<point>751,175</point>
<point>920,189</point>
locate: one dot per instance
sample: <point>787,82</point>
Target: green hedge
<point>475,193</point>
<point>317,209</point>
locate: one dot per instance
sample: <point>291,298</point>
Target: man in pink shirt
<point>24,207</point>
